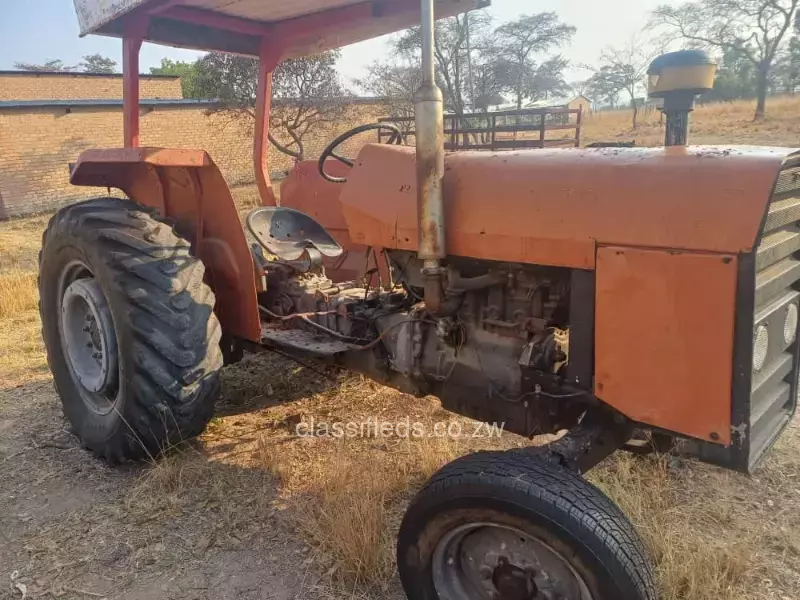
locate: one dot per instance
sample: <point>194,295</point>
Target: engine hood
<point>555,206</point>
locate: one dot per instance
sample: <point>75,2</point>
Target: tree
<point>97,63</point>
<point>547,79</point>
<point>580,88</point>
<point>603,87</point>
<point>788,65</point>
<point>187,71</point>
<point>490,80</point>
<point>754,28</point>
<point>394,84</point>
<point>624,69</point>
<point>306,93</point>
<point>454,40</point>
<point>521,39</point>
<point>55,65</point>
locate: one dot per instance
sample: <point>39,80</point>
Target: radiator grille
<point>773,387</point>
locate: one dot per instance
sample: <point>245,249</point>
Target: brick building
<point>48,119</point>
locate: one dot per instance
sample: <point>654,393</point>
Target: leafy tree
<point>491,75</point>
<point>55,65</point>
<point>547,79</point>
<point>736,78</point>
<point>787,76</point>
<point>603,86</point>
<point>306,93</point>
<point>97,63</point>
<point>754,28</point>
<point>520,40</point>
<point>790,66</point>
<point>187,71</point>
<point>451,52</point>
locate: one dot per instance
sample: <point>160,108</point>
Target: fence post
<point>578,128</point>
<point>542,128</point>
<point>494,131</point>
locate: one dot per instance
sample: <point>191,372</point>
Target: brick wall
<point>26,85</point>
<point>37,144</point>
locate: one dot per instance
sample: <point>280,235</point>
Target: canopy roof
<point>299,27</point>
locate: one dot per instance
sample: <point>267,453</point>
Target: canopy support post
<point>268,60</point>
<point>131,47</point>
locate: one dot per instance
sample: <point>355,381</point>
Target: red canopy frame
<point>268,59</point>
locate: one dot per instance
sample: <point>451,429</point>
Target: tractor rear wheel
<point>129,328</point>
<point>505,526</point>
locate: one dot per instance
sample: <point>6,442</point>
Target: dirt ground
<point>253,511</point>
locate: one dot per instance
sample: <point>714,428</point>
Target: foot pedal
<point>299,340</point>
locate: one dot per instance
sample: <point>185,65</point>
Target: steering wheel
<point>395,138</point>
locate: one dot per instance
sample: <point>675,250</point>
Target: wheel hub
<point>90,343</point>
<point>488,561</point>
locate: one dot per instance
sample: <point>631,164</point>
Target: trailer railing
<point>503,130</point>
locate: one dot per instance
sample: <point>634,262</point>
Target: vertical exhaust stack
<point>678,77</point>
<point>429,127</point>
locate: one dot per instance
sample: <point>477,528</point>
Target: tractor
<point>616,297</point>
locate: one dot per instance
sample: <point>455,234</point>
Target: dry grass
<point>720,123</point>
<point>347,496</point>
<point>21,350</point>
<point>696,554</point>
<point>18,293</point>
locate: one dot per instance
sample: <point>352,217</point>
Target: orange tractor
<point>604,294</point>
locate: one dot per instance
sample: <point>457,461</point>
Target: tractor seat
<point>289,234</point>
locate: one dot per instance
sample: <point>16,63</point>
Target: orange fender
<point>186,186</point>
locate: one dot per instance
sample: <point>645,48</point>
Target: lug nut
<point>486,571</point>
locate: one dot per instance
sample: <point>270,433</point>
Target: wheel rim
<point>88,338</point>
<point>489,561</point>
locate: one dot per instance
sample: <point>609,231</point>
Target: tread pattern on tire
<point>560,496</point>
<point>172,351</point>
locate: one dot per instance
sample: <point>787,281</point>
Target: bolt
<point>486,571</point>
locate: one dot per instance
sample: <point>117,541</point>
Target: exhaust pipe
<point>429,127</point>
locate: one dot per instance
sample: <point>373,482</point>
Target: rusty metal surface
<point>664,338</point>
<point>554,206</point>
<point>187,186</point>
<point>305,342</point>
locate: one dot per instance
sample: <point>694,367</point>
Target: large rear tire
<point>129,328</point>
<point>504,526</point>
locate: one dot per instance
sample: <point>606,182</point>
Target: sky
<point>34,31</point>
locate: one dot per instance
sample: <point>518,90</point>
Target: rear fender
<point>187,187</point>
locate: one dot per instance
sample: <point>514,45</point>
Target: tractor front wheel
<point>504,526</point>
<point>129,328</point>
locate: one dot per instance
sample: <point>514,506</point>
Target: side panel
<point>186,185</point>
<point>664,338</point>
